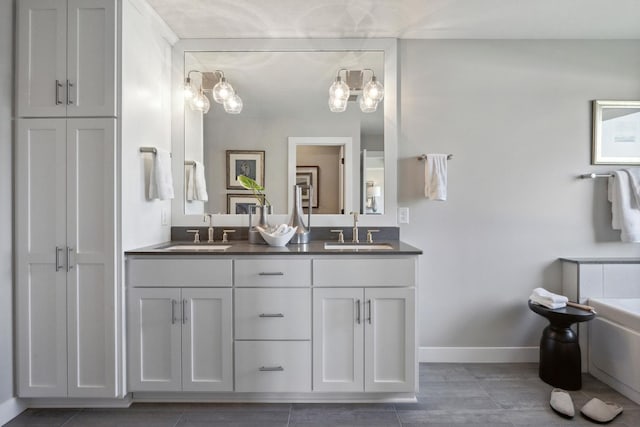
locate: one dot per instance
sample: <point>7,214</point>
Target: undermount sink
<point>356,246</point>
<point>202,247</point>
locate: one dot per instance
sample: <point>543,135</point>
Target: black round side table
<point>560,363</point>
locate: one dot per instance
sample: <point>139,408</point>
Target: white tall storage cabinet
<point>66,199</point>
<point>66,58</point>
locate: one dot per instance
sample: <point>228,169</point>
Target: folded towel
<point>160,178</point>
<point>196,183</point>
<point>435,177</point>
<point>548,299</point>
<point>625,213</point>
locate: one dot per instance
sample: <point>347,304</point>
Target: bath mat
<point>601,412</point>
<point>561,403</point>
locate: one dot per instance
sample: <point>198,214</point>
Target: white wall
<point>9,407</point>
<point>517,117</point>
<point>145,120</point>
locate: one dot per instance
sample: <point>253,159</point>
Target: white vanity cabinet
<point>179,326</point>
<point>364,334</point>
<point>65,255</point>
<point>66,58</point>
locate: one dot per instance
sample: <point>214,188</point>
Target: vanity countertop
<point>237,247</point>
<point>596,260</point>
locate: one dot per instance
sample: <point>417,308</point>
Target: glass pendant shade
<point>233,105</point>
<point>222,91</point>
<point>339,90</point>
<point>368,105</point>
<point>189,92</point>
<point>337,105</point>
<point>200,102</point>
<point>373,90</point>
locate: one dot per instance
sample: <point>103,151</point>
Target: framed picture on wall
<point>241,203</point>
<point>309,176</point>
<point>616,133</point>
<point>244,162</point>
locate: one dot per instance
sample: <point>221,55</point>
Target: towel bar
<point>595,175</point>
<point>153,150</point>
<point>189,162</point>
<point>424,157</point>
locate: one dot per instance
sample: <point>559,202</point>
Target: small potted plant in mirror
<point>261,209</point>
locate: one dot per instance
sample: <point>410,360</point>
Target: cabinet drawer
<point>273,366</point>
<point>273,314</point>
<point>191,272</point>
<point>272,272</point>
<point>364,272</point>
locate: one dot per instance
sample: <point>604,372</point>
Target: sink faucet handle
<point>196,236</point>
<point>370,235</point>
<point>340,235</point>
<point>225,238</point>
<point>355,217</point>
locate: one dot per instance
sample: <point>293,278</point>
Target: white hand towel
<point>160,178</point>
<point>634,182</point>
<point>189,173</point>
<point>625,216</point>
<point>200,184</point>
<point>435,177</point>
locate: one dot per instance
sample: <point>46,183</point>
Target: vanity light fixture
<point>221,92</point>
<point>369,95</point>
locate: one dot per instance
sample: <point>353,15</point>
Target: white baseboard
<point>9,409</point>
<point>478,354</point>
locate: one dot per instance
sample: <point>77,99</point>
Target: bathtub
<point>614,344</point>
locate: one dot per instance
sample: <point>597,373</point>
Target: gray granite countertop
<point>602,260</point>
<point>244,248</point>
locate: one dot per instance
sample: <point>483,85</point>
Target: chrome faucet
<point>354,239</point>
<point>210,230</point>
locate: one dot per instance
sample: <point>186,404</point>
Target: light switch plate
<point>403,215</point>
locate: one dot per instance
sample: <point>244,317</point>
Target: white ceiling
<point>408,19</point>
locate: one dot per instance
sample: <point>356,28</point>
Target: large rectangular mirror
<point>284,86</point>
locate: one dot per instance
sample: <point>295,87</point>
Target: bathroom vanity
<point>259,323</point>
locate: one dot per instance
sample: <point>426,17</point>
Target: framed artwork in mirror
<point>244,162</point>
<point>305,176</point>
<point>241,203</point>
<point>616,133</point>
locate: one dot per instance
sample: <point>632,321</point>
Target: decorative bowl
<point>279,236</point>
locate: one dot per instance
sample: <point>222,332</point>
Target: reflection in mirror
<point>285,95</point>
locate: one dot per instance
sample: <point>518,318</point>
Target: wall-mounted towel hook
<point>424,157</point>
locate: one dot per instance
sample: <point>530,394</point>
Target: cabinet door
<point>90,257</point>
<point>207,340</point>
<point>338,336</point>
<point>42,58</point>
<point>40,250</point>
<point>390,352</point>
<point>91,60</point>
<point>154,329</point>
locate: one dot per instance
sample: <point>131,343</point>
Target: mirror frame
<point>388,46</point>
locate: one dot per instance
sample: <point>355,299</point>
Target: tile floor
<point>491,395</point>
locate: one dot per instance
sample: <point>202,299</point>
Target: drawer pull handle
<point>271,369</point>
<point>369,304</point>
<point>358,311</point>
<point>267,273</point>
<point>271,315</point>
<point>173,311</point>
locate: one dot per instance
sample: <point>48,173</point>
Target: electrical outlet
<point>403,215</point>
<point>164,218</point>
